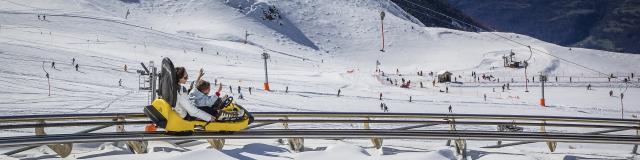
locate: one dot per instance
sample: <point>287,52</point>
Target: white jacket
<point>184,106</point>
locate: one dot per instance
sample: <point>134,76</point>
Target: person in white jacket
<point>184,107</point>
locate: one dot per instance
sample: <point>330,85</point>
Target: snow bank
<point>338,151</point>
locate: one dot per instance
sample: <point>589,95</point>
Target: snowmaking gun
<point>162,114</point>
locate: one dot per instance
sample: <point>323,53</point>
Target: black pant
<point>210,110</point>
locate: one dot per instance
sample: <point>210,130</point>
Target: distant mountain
<point>431,14</point>
<point>612,25</point>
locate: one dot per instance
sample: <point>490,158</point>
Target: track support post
<point>295,144</point>
<point>216,143</point>
<point>551,144</point>
<point>377,142</point>
<point>460,144</point>
<point>500,129</point>
<point>635,146</point>
<point>63,150</point>
<point>137,147</point>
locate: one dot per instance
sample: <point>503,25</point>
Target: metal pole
<point>47,75</point>
<point>265,56</point>
<point>526,82</point>
<point>542,79</point>
<point>382,14</point>
<point>153,76</point>
<point>246,35</point>
<point>382,32</point>
<point>526,78</point>
<point>622,106</point>
<point>49,83</point>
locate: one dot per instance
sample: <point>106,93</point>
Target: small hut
<point>444,76</point>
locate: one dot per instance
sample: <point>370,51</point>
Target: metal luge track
<point>397,126</point>
<point>64,117</point>
<point>311,121</point>
<point>322,134</point>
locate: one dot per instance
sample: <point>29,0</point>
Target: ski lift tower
<point>265,56</point>
<point>147,80</point>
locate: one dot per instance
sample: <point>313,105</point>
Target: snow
<point>316,48</point>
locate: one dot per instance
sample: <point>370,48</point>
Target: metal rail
<point>444,116</point>
<point>69,124</point>
<point>386,121</point>
<point>323,134</point>
<point>528,142</point>
<point>36,146</point>
<point>416,120</point>
<point>63,117</point>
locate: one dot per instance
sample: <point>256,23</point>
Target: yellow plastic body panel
<point>175,123</point>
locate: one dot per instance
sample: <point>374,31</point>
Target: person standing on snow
<point>240,93</point>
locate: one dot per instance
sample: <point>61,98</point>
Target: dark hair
<point>180,72</point>
<point>202,85</point>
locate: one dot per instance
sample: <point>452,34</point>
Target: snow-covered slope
<point>317,47</point>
